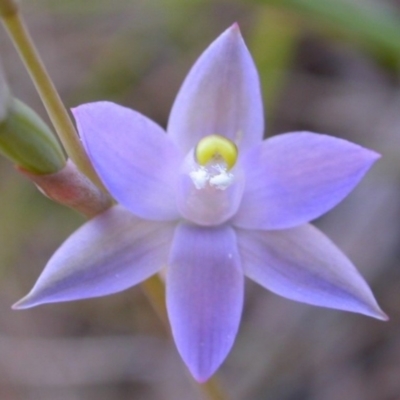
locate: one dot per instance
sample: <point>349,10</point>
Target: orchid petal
<point>204,295</point>
<point>296,177</point>
<point>108,254</point>
<point>221,95</point>
<point>136,160</point>
<point>302,264</point>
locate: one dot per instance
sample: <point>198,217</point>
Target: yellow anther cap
<point>216,147</point>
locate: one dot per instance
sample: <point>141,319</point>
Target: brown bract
<point>71,188</point>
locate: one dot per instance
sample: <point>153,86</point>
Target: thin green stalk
<point>154,289</point>
<point>212,390</point>
<point>58,115</point>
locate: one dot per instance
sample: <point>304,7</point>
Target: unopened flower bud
<point>26,140</point>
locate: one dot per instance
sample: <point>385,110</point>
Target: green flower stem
<point>50,98</point>
<point>154,289</point>
<point>213,390</point>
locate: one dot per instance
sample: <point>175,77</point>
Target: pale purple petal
<point>208,201</point>
<point>296,177</point>
<point>108,254</point>
<point>221,95</point>
<point>302,264</point>
<point>133,156</point>
<point>204,295</point>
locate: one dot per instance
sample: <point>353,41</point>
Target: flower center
<point>211,182</point>
<point>215,156</point>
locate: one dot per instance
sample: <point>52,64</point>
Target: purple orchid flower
<point>212,202</point>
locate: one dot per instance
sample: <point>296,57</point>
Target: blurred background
<point>330,66</point>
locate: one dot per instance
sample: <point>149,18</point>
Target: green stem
<point>213,390</point>
<point>154,289</point>
<point>50,98</point>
